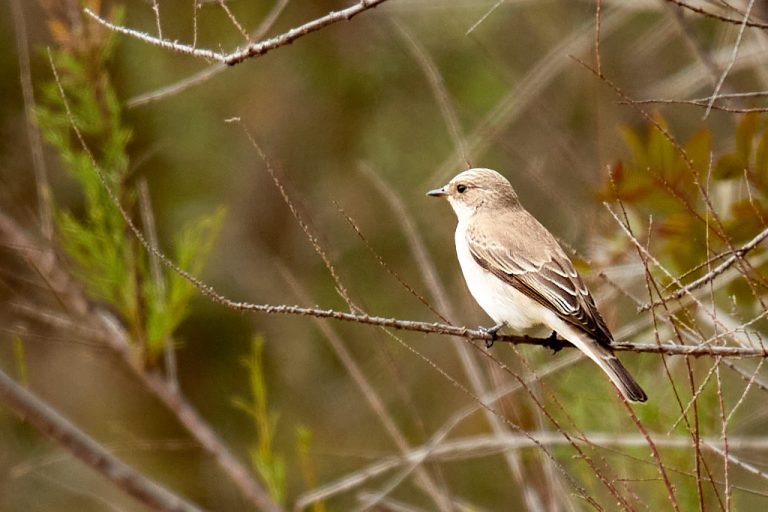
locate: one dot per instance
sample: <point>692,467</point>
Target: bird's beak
<point>438,192</point>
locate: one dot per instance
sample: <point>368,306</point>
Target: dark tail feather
<point>623,380</point>
<point>606,360</point>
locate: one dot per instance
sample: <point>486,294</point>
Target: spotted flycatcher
<point>519,274</point>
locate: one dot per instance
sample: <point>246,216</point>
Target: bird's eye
<point>461,188</point>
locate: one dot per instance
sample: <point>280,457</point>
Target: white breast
<point>502,302</point>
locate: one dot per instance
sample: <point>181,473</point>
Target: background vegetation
<point>298,177</point>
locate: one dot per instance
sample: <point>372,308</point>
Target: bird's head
<point>477,189</point>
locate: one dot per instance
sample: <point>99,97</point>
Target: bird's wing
<point>521,252</point>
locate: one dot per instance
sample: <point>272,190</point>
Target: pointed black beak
<point>438,192</point>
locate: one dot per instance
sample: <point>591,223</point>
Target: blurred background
<point>358,120</point>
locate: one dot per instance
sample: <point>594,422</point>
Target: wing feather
<point>540,270</point>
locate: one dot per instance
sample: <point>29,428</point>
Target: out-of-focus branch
<point>44,202</point>
<point>106,328</point>
<point>703,12</point>
<point>474,447</point>
<point>254,49</point>
<point>36,412</point>
<point>699,103</point>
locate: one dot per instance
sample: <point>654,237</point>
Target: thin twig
<point>195,12</point>
<point>255,49</point>
<point>210,71</point>
<point>156,9</point>
<point>233,19</point>
<point>732,60</point>
<point>712,274</point>
<point>310,236</point>
<point>376,403</point>
<point>474,447</point>
<point>698,103</point>
<point>690,38</point>
<point>439,90</point>
<point>44,199</point>
<point>736,21</point>
<point>156,271</point>
<point>437,439</point>
<point>724,437</point>
<point>386,265</point>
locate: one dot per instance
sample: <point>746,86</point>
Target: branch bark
<point>254,49</point>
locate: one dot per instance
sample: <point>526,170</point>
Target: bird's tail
<point>622,378</point>
<point>607,362</point>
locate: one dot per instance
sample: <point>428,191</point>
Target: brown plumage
<point>521,276</point>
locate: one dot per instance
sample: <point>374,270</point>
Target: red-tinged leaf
<point>618,173</point>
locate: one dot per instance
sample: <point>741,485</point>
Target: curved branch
<point>719,17</point>
<point>253,49</point>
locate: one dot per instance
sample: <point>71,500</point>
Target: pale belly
<point>502,302</point>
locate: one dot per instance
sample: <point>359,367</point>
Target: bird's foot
<point>493,331</point>
<point>553,343</point>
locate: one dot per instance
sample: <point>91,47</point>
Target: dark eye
<point>461,188</point>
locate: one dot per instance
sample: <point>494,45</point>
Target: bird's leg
<point>493,331</point>
<point>553,343</point>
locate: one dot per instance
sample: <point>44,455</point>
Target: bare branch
<point>440,497</point>
<point>712,274</point>
<point>255,49</point>
<point>473,447</point>
<point>37,413</point>
<point>732,60</point>
<point>700,103</point>
<point>699,10</point>
<point>210,71</point>
<point>209,55</point>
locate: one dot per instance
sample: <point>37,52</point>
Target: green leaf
<point>166,310</point>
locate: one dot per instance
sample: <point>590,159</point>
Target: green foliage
<point>110,262</point>
<point>658,182</point>
<point>267,463</point>
<point>303,444</point>
<point>167,301</point>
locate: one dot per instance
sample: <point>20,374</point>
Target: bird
<point>520,275</point>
